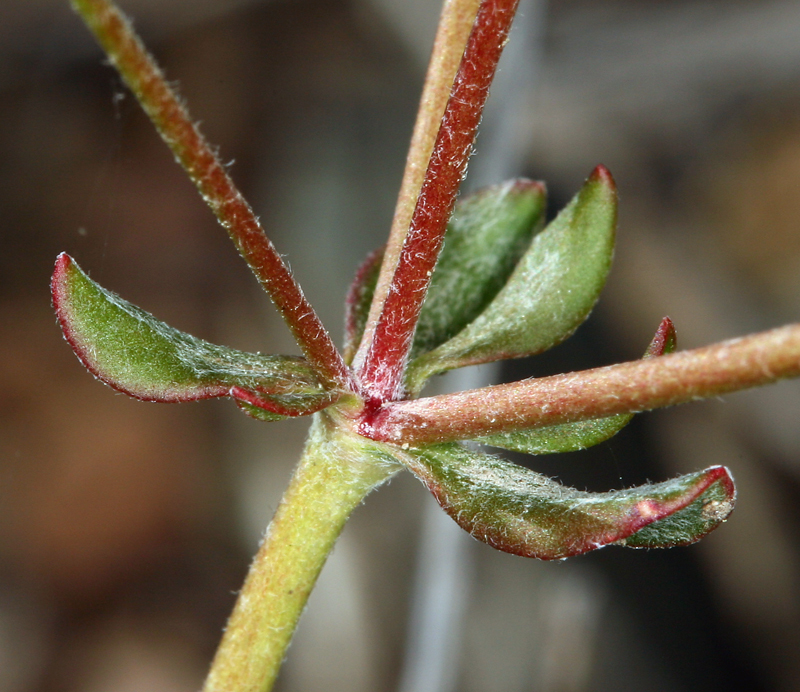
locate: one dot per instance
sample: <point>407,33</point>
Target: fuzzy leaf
<point>133,352</point>
<point>571,437</point>
<point>522,512</point>
<point>486,237</point>
<point>358,302</point>
<point>694,521</point>
<point>549,294</point>
<point>568,437</point>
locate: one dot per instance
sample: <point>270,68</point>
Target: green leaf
<point>486,237</point>
<point>133,352</point>
<point>571,437</point>
<point>358,302</point>
<point>522,512</point>
<point>549,294</point>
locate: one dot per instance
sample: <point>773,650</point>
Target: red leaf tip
<point>724,476</point>
<point>63,263</point>
<point>603,175</point>
<point>664,340</point>
<point>524,184</point>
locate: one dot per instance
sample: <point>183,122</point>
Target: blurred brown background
<point>125,528</point>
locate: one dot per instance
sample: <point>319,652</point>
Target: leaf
<point>133,352</point>
<point>485,239</point>
<point>571,437</point>
<point>549,294</point>
<point>522,512</point>
<point>358,302</point>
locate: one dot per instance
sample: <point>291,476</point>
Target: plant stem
<point>383,366</point>
<point>127,53</point>
<point>332,479</point>
<point>640,385</point>
<point>455,24</point>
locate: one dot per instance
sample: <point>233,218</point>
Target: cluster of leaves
<point>505,286</point>
<point>456,285</point>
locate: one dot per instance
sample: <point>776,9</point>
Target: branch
<point>382,370</point>
<point>640,385</point>
<point>455,25</point>
<point>332,479</point>
<point>140,72</point>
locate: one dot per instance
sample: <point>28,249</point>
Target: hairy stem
<point>455,25</point>
<point>330,482</point>
<point>140,72</point>
<point>640,385</point>
<point>385,360</point>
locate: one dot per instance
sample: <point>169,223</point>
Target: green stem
<point>334,475</point>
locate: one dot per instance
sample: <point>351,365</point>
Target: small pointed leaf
<point>571,437</point>
<point>133,352</point>
<point>358,302</point>
<point>522,512</point>
<point>568,437</point>
<point>549,294</point>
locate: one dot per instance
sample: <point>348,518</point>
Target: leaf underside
<point>133,352</point>
<point>525,513</point>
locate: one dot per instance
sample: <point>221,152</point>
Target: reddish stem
<point>115,34</point>
<point>641,385</point>
<point>382,371</point>
<point>455,26</point>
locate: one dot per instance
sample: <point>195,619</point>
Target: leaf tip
<point>703,503</point>
<point>61,290</point>
<point>723,476</point>
<point>63,260</point>
<point>601,174</point>
<point>57,283</point>
<point>664,341</point>
<point>537,187</point>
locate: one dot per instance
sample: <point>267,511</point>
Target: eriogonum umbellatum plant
<point>457,284</point>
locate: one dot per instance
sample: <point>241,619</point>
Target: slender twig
<point>381,374</point>
<point>140,72</point>
<point>640,385</point>
<point>332,479</point>
<point>455,25</point>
